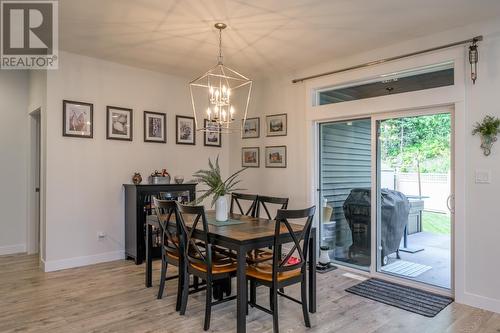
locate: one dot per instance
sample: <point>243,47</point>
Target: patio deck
<point>436,254</point>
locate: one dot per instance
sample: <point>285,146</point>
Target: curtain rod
<point>381,61</point>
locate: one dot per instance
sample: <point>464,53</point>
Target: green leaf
<point>212,179</point>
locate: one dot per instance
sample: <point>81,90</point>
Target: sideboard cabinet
<point>139,207</point>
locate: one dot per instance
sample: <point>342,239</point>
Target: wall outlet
<point>483,176</point>
<point>101,235</point>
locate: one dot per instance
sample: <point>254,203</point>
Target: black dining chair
<point>171,247</point>
<point>285,270</point>
<point>202,260</point>
<point>235,203</point>
<point>265,202</point>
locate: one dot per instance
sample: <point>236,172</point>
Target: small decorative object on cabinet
<point>119,123</point>
<point>488,129</point>
<point>155,129</point>
<point>139,207</point>
<point>159,177</point>
<point>78,119</point>
<point>137,178</point>
<point>276,125</point>
<point>276,157</point>
<point>217,188</point>
<point>179,179</point>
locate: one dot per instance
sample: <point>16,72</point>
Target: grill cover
<point>395,209</point>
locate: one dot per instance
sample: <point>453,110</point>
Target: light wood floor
<point>111,297</point>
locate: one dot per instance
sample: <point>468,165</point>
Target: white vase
<point>221,209</point>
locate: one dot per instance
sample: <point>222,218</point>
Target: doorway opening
<point>414,189</point>
<point>33,229</point>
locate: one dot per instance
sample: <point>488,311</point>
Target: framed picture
<point>155,129</point>
<point>212,135</point>
<point>276,157</point>
<point>251,128</point>
<point>78,119</point>
<point>119,123</point>
<point>276,124</point>
<point>250,157</point>
<point>185,133</point>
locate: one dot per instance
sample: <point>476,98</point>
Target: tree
<point>426,138</point>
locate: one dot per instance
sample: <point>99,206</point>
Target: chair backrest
<point>165,210</point>
<point>235,199</point>
<point>196,252</point>
<point>263,201</point>
<point>282,234</point>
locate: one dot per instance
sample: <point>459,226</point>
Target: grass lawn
<point>436,223</point>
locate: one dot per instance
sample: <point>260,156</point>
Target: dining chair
<point>285,270</point>
<point>261,255</point>
<point>265,202</point>
<point>237,197</point>
<point>171,248</point>
<point>201,260</point>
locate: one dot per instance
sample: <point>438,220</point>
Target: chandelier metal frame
<point>220,82</point>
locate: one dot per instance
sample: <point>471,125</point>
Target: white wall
<point>14,129</point>
<point>477,246</point>
<point>84,193</point>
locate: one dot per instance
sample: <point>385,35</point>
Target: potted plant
<point>488,129</point>
<point>217,188</point>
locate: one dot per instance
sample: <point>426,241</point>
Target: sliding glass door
<point>344,191</point>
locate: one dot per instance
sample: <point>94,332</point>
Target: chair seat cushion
<point>219,266</point>
<point>258,256</point>
<point>264,271</point>
<point>173,255</point>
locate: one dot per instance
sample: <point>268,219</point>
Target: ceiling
<point>263,36</point>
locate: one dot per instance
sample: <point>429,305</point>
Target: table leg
<point>241,292</point>
<point>149,260</point>
<point>312,272</point>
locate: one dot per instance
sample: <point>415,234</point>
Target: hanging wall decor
<point>488,129</point>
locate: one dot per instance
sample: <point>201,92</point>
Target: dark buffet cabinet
<point>138,206</point>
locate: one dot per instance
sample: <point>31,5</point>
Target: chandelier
<point>219,94</point>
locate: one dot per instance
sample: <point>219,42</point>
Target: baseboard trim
<point>481,302</point>
<point>56,265</point>
<point>12,249</point>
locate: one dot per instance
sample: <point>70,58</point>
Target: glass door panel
<point>345,182</point>
<point>413,186</point>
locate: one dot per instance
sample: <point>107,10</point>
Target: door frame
<point>451,95</point>
<point>374,267</point>
<point>33,227</point>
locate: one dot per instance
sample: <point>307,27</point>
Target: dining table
<point>250,234</point>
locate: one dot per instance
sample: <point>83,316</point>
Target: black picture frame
<point>193,130</point>
<point>284,132</point>
<point>243,136</point>
<point>147,136</point>
<point>114,136</point>
<point>73,133</point>
<point>206,137</point>
<point>268,165</point>
<point>246,165</point>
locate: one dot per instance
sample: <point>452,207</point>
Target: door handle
<point>37,190</point>
<point>449,205</point>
